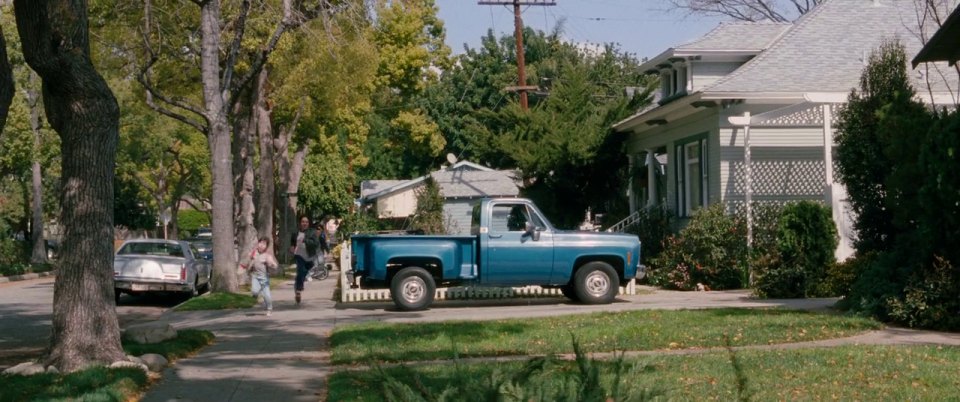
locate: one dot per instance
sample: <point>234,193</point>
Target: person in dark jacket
<point>304,245</point>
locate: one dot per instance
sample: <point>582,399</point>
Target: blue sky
<point>641,27</point>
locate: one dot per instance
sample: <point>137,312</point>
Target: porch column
<point>828,143</point>
<point>631,191</point>
<point>745,121</point>
<point>652,195</point>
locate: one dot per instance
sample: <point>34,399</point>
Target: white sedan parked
<point>160,266</point>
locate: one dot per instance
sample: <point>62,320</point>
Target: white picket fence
<point>348,294</point>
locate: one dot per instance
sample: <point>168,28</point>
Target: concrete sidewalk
<point>285,357</point>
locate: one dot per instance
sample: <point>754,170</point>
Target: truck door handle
<point>495,236</point>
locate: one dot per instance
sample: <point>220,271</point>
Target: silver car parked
<point>160,266</point>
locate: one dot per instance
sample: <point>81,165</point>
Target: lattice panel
<point>777,178</point>
<point>812,116</point>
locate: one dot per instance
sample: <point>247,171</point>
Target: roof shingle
<point>827,49</point>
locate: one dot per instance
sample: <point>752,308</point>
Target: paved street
<point>26,307</point>
<point>284,357</point>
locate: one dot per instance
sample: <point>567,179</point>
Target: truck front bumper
<point>641,271</point>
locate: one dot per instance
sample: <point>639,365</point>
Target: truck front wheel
<point>596,283</point>
<point>412,289</point>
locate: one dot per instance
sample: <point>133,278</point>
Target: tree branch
<point>240,27</point>
<point>143,77</point>
<point>286,22</point>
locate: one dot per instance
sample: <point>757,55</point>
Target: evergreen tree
<point>428,217</point>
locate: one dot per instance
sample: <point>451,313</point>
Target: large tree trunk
<point>266,171</point>
<point>244,175</point>
<point>39,254</point>
<point>218,137</point>
<point>83,111</point>
<point>291,169</point>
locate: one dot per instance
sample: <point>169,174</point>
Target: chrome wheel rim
<point>597,284</point>
<point>413,290</point>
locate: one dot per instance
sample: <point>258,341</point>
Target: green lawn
<point>218,301</point>
<point>601,332</point>
<point>100,383</point>
<point>866,373</point>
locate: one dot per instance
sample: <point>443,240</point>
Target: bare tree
<point>83,111</point>
<point>748,10</point>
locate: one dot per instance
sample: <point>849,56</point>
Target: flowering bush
<point>710,250</point>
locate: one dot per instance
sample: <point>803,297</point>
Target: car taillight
<point>183,272</point>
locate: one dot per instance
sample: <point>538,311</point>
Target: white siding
<point>456,215</point>
<point>706,73</point>
<point>704,122</point>
<point>397,205</point>
<point>787,164</point>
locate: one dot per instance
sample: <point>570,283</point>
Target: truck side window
<point>475,220</point>
<point>508,218</point>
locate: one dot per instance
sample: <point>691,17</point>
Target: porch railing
<point>626,222</point>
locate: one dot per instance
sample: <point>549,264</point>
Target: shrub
<point>805,243</point>
<point>711,250</point>
<point>841,276</point>
<point>653,228</point>
<point>930,299</point>
<point>13,257</point>
<point>190,220</point>
<point>359,222</point>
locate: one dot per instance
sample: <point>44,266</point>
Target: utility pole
<point>522,86</point>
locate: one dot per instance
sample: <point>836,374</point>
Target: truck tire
<point>596,283</point>
<point>412,289</point>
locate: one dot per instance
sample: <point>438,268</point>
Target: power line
<point>522,86</point>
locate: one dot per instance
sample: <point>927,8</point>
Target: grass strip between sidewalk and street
<point>101,383</point>
<point>600,332</point>
<point>862,372</point>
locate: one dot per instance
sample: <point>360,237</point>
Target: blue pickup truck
<point>512,244</point>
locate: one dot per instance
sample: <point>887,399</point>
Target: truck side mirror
<point>530,229</point>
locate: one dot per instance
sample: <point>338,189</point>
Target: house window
<point>692,175</point>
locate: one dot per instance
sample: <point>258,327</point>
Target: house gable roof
<point>368,187</point>
<point>738,36</point>
<point>462,180</point>
<point>746,38</point>
<point>475,184</point>
<point>827,49</point>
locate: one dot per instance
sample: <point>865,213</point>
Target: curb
<point>24,277</point>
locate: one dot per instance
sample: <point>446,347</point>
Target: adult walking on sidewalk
<point>260,263</point>
<point>304,246</point>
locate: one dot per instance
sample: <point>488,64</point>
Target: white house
<point>461,186</point>
<point>748,111</point>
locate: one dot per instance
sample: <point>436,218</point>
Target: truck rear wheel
<point>412,289</point>
<point>596,283</point>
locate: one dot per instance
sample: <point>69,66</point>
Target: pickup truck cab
<point>511,244</point>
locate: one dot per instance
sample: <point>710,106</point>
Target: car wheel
<point>206,286</point>
<point>116,296</point>
<point>413,289</point>
<point>569,292</point>
<point>596,283</point>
